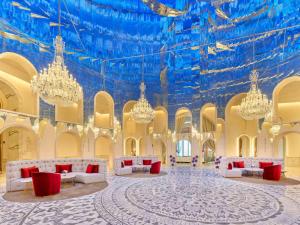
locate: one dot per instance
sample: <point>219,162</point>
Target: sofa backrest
<point>249,161</point>
<point>13,168</point>
<point>135,160</point>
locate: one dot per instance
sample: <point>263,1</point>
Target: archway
<point>289,150</point>
<point>104,110</point>
<point>68,145</point>
<point>16,94</point>
<point>130,147</point>
<point>244,146</point>
<point>103,149</point>
<point>209,149</point>
<point>208,118</point>
<point>236,126</point>
<point>17,143</point>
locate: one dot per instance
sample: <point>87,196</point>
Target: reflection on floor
<point>185,196</point>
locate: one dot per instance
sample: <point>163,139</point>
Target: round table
<point>68,177</point>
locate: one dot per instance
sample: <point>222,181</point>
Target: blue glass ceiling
<point>195,51</point>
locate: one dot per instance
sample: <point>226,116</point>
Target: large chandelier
<point>142,111</point>
<point>55,85</point>
<point>256,104</point>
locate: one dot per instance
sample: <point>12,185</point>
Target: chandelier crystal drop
<point>256,104</point>
<point>55,85</point>
<point>142,111</point>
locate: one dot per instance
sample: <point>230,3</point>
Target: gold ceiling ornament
<point>142,111</point>
<point>256,104</point>
<point>55,85</point>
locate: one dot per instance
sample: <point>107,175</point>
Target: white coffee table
<point>68,177</point>
<point>252,171</point>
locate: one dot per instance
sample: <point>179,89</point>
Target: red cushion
<point>229,166</point>
<point>234,164</point>
<point>25,172</point>
<point>60,168</point>
<point>127,162</point>
<point>89,168</point>
<point>122,164</point>
<point>241,164</point>
<point>34,170</point>
<point>262,165</point>
<point>147,162</point>
<point>96,168</point>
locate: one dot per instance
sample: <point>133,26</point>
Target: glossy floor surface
<point>185,196</point>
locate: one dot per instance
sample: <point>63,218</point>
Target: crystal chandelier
<point>255,105</point>
<point>55,85</point>
<point>142,111</point>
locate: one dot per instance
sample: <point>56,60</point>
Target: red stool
<point>272,172</point>
<point>155,167</point>
<point>45,184</point>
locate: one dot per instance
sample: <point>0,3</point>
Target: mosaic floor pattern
<point>185,196</point>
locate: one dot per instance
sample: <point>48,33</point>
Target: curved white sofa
<point>136,160</point>
<point>249,163</point>
<point>14,182</point>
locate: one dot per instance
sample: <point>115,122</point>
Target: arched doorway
<point>130,147</point>
<point>209,149</point>
<point>103,149</point>
<point>68,145</point>
<point>289,150</point>
<point>244,146</point>
<point>17,143</point>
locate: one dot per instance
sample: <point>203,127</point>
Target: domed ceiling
<point>195,51</point>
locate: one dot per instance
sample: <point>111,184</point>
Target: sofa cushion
<point>147,162</point>
<point>262,165</point>
<point>127,162</point>
<point>229,166</point>
<point>27,172</point>
<point>96,168</point>
<point>89,168</point>
<point>60,168</point>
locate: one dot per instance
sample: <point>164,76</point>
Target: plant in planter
<point>172,160</point>
<point>195,161</point>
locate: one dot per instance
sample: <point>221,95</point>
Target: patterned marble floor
<point>185,196</point>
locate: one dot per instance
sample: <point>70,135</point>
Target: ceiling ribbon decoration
<point>162,9</point>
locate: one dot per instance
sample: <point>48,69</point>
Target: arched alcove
<point>244,146</point>
<point>209,149</point>
<point>183,121</point>
<point>104,150</point>
<point>68,145</point>
<point>103,110</point>
<point>16,94</point>
<point>70,114</point>
<point>130,147</point>
<point>235,126</point>
<point>17,143</point>
<point>160,122</point>
<point>208,118</point>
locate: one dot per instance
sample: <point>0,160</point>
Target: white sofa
<point>250,162</point>
<point>136,160</point>
<point>14,182</point>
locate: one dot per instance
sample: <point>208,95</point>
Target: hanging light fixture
<point>55,85</point>
<point>142,111</point>
<point>256,104</point>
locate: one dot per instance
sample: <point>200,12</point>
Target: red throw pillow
<point>60,168</point>
<point>147,162</point>
<point>241,164</point>
<point>25,172</point>
<point>235,164</point>
<point>122,165</point>
<point>96,168</point>
<point>229,166</point>
<point>34,170</point>
<point>89,169</point>
<point>127,162</point>
<point>262,165</point>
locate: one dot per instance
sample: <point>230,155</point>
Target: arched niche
<point>183,121</point>
<point>104,110</point>
<point>209,149</point>
<point>160,122</point>
<point>68,145</point>
<point>16,94</point>
<point>244,146</point>
<point>286,100</point>
<point>70,114</point>
<point>130,147</point>
<point>235,125</point>
<point>17,143</point>
<point>104,150</point>
<point>208,118</point>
